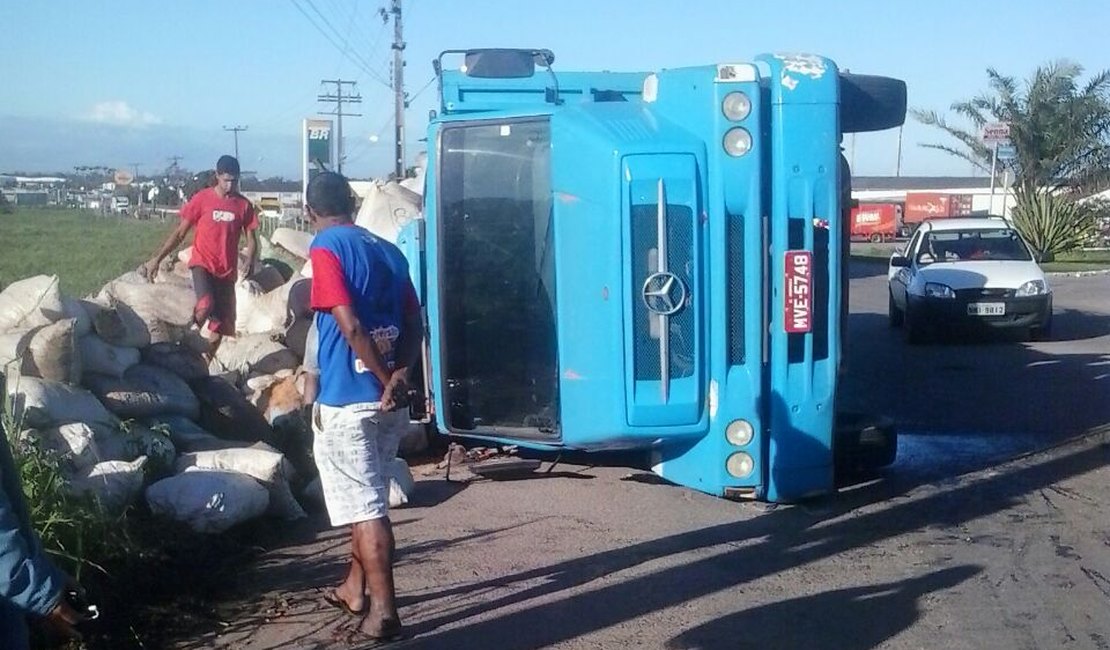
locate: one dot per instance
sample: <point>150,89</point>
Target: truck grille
<point>680,261</point>
<point>734,251</point>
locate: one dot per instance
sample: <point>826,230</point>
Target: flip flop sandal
<point>332,598</point>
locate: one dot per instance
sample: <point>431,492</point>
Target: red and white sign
<point>798,300</point>
<point>994,132</point>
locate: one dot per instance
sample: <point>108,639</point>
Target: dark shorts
<point>215,301</point>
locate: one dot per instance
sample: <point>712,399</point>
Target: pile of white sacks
<point>115,385</point>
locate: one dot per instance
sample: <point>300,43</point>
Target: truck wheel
<point>894,315</point>
<point>863,443</point>
<point>871,103</point>
<point>876,238</point>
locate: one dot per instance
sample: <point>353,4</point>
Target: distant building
<point>893,189</point>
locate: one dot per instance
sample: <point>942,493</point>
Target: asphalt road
<point>949,548</point>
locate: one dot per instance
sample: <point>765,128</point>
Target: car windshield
<point>1002,244</point>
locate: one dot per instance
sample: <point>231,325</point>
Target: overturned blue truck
<point>646,260</point>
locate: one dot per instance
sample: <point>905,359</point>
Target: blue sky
<point>124,81</point>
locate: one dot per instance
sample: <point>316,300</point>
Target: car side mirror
<point>899,261</point>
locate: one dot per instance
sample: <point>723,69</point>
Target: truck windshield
<point>999,245</point>
<point>498,286</point>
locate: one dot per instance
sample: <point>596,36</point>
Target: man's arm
<point>407,351</point>
<point>412,332</point>
<point>252,253</point>
<point>359,339</point>
<point>150,269</point>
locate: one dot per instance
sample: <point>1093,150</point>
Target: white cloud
<point>120,113</point>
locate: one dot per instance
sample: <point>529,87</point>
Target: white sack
<point>41,403</point>
<point>253,354</point>
<point>116,484</point>
<point>387,208</point>
<point>267,466</point>
<point>208,501</point>
<point>293,241</point>
<point>31,302</point>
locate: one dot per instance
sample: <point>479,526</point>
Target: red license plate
<point>798,301</point>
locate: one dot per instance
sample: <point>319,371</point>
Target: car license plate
<point>986,309</point>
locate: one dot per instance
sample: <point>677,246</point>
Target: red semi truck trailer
<point>920,206</point>
<point>875,222</point>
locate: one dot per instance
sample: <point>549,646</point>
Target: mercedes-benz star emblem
<point>664,293</point>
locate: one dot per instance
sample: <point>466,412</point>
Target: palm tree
<point>1059,128</point>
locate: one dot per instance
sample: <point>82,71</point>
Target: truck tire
<point>871,103</point>
<point>876,238</point>
<point>863,443</point>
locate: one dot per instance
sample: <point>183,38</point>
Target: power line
<point>337,98</point>
<point>344,50</point>
<point>421,91</point>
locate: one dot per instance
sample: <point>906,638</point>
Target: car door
<point>900,278</point>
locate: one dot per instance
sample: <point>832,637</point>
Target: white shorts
<point>351,445</point>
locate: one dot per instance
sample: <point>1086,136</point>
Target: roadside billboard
<point>318,144</point>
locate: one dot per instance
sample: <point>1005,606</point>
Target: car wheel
<point>894,315</point>
<point>914,328</point>
<point>1042,333</point>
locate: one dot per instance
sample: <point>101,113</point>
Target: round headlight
<point>739,432</point>
<point>736,106</point>
<point>740,464</point>
<point>737,142</point>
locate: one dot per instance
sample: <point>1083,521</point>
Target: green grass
<point>1079,261</point>
<point>85,250</point>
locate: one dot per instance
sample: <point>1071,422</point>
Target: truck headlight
<point>736,106</point>
<point>739,432</point>
<point>740,464</point>
<point>938,290</point>
<point>1032,288</point>
<point>737,142</point>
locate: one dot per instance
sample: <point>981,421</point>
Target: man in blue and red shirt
<point>370,330</point>
<point>221,215</point>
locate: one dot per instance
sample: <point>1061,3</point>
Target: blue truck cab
<point>644,261</point>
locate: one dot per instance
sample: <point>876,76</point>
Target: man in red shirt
<point>221,215</point>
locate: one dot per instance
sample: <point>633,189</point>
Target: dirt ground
<point>952,547</point>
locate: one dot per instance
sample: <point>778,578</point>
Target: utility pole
<point>898,165</point>
<point>236,129</point>
<point>337,98</point>
<point>398,90</point>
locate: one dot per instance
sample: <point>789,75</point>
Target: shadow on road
<point>779,541</point>
<point>846,619</point>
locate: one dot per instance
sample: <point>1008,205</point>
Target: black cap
<point>227,165</point>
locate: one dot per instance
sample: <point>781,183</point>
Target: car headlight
<point>1032,288</point>
<point>938,290</point>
